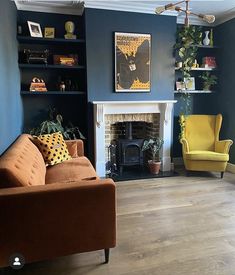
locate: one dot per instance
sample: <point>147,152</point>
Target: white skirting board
<point>230,167</point>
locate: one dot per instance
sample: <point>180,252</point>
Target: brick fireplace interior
<point>126,133</point>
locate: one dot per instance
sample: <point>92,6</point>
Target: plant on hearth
<point>154,145</point>
<point>55,124</point>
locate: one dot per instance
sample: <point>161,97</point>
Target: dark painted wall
<point>10,101</point>
<point>224,100</point>
<point>100,28</point>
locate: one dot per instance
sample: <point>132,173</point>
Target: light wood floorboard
<point>168,226</point>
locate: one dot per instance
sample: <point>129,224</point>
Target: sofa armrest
<point>75,147</point>
<point>44,222</point>
<point>184,142</point>
<point>223,146</point>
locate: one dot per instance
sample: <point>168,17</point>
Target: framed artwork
<point>132,62</point>
<point>180,86</point>
<point>49,32</point>
<point>189,83</point>
<point>34,29</point>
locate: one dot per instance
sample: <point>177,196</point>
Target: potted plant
<point>55,124</point>
<point>154,145</point>
<point>208,80</point>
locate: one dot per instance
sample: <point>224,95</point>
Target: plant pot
<point>206,88</point>
<point>154,166</point>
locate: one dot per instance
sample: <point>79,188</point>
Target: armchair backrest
<point>201,131</point>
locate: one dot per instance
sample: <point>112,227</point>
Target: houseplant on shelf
<point>154,145</point>
<point>55,124</point>
<point>208,80</point>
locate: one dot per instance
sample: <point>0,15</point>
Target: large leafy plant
<point>154,145</point>
<point>55,124</point>
<point>186,46</point>
<point>208,80</point>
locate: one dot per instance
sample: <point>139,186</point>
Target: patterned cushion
<point>53,148</point>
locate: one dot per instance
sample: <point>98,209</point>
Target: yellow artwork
<point>132,62</point>
<point>49,33</point>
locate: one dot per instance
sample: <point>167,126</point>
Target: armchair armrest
<point>75,147</point>
<point>44,222</point>
<point>184,142</point>
<point>223,146</point>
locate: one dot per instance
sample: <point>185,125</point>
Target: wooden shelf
<point>199,69</point>
<point>39,40</point>
<point>207,47</point>
<point>193,92</point>
<point>43,66</point>
<point>53,93</point>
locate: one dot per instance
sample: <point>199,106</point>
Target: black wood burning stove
<point>129,150</point>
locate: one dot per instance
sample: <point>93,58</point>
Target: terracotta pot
<point>154,166</point>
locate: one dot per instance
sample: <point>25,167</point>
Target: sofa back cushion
<point>22,164</point>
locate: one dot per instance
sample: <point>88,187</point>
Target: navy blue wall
<point>10,102</point>
<point>100,28</point>
<point>224,101</point>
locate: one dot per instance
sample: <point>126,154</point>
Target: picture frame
<point>180,86</point>
<point>34,29</point>
<point>132,62</point>
<point>189,83</point>
<point>49,32</point>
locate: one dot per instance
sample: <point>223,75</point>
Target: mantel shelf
<point>39,40</point>
<point>43,66</point>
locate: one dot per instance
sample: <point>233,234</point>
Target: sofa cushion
<point>71,171</point>
<point>206,155</point>
<point>22,164</point>
<point>53,148</point>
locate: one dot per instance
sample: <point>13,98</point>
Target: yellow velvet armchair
<point>202,149</point>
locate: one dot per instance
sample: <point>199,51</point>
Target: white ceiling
<point>222,9</point>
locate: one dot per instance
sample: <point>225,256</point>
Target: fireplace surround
<point>103,108</point>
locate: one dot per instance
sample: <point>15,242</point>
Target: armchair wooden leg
<point>106,254</point>
<point>221,175</point>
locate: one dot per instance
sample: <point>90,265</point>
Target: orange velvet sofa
<point>56,211</point>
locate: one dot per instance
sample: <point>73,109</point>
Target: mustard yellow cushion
<point>53,148</point>
<point>206,155</point>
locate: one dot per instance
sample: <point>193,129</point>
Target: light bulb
<point>208,18</point>
<point>160,10</point>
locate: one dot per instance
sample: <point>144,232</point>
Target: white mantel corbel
<point>102,108</point>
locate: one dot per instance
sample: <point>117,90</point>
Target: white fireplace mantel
<point>102,108</point>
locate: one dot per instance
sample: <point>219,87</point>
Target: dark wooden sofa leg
<point>221,175</point>
<point>106,254</point>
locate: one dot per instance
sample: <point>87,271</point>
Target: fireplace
<point>107,113</point>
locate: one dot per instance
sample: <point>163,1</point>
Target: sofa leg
<point>106,254</point>
<point>221,175</point>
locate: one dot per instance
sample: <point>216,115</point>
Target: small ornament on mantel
<point>69,28</point>
<point>62,86</point>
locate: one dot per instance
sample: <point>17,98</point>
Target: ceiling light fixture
<point>205,17</point>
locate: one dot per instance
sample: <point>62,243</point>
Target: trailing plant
<point>55,124</point>
<point>187,39</point>
<point>154,145</point>
<point>208,80</point>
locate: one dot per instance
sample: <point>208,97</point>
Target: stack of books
<point>209,62</point>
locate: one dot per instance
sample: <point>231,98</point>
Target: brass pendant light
<point>205,17</point>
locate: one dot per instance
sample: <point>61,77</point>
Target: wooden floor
<point>178,225</point>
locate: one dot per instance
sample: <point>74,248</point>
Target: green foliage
<point>208,80</point>
<point>55,124</point>
<point>153,144</point>
<point>187,39</point>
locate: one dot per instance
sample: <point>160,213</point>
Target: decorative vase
<point>206,40</point>
<point>154,166</point>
